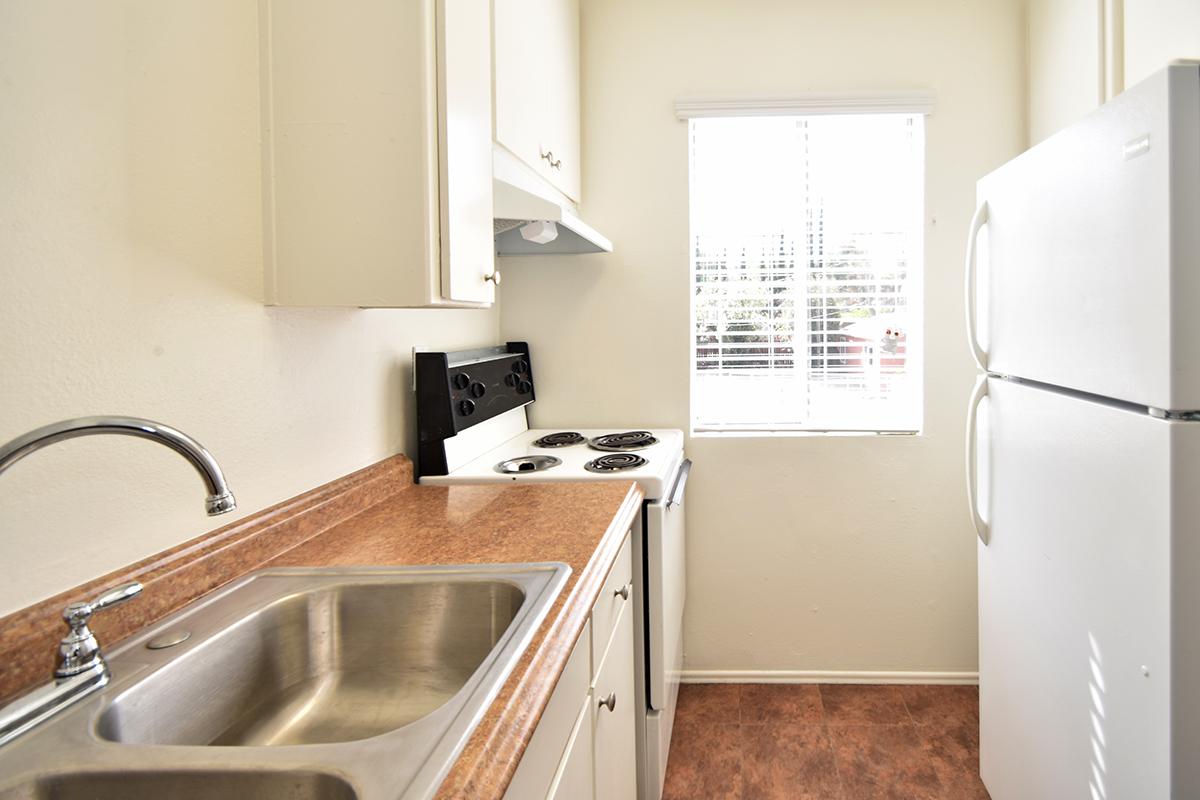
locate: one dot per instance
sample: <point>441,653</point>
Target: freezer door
<point>1075,597</point>
<point>1089,260</point>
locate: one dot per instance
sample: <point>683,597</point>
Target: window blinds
<point>806,237</point>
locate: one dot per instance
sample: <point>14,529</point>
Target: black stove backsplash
<point>459,389</point>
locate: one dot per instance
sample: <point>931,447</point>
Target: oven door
<point>666,589</point>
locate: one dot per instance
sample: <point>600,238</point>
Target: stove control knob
<point>466,408</point>
<point>477,389</point>
<point>520,366</point>
<point>461,381</point>
<point>524,387</point>
<point>511,379</point>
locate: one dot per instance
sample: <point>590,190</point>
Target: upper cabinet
<point>377,139</point>
<point>537,87</point>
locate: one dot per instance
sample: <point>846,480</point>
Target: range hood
<point>517,212</point>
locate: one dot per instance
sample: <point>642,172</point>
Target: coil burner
<point>517,466</point>
<point>561,439</point>
<point>615,462</point>
<point>619,442</point>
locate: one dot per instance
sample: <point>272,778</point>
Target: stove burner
<point>618,442</point>
<point>516,466</point>
<point>561,439</point>
<point>615,462</point>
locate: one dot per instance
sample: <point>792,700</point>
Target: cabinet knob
<point>493,277</point>
<point>555,163</point>
<point>609,702</point>
<point>623,592</point>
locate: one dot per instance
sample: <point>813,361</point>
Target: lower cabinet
<point>583,747</point>
<point>613,729</point>
<point>574,778</point>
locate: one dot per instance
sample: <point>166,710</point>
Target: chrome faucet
<point>219,500</point>
<point>79,652</point>
<point>81,667</point>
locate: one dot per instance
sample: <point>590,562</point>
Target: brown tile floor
<point>827,742</point>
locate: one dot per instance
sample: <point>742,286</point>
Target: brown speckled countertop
<point>377,516</point>
<point>580,524</point>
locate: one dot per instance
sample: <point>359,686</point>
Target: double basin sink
<point>306,684</point>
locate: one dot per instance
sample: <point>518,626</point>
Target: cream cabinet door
<point>613,715</point>
<point>574,778</point>
<point>468,252</point>
<point>377,129</point>
<point>537,87</point>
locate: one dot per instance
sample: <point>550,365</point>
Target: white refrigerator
<point>1083,454</point>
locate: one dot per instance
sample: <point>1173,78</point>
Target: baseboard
<point>816,676</point>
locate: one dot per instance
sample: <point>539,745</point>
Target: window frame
<point>909,103</point>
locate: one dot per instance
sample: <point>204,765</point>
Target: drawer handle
<point>623,592</point>
<point>609,702</point>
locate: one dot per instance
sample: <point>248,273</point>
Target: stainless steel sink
<point>183,785</point>
<point>335,663</point>
<point>305,683</point>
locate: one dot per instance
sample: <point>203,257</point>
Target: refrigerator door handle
<point>977,394</point>
<point>978,221</point>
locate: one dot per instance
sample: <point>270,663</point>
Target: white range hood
<point>519,199</point>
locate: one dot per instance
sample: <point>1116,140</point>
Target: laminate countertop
<point>378,516</point>
<point>582,525</point>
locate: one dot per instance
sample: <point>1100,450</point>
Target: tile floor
<point>827,742</point>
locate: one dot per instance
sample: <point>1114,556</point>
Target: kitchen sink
<point>183,785</point>
<point>334,663</point>
<point>300,683</point>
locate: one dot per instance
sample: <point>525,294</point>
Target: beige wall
<point>1065,41</point>
<point>1159,31</point>
<point>131,283</point>
<point>806,554</point>
<point>1074,43</point>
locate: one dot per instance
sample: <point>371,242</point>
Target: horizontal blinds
<point>806,252</point>
<point>905,102</point>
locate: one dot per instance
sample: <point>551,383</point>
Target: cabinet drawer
<point>615,595</point>
<point>574,778</point>
<point>539,765</point>
<point>614,728</point>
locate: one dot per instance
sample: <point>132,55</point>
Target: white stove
<point>473,428</point>
<point>520,458</point>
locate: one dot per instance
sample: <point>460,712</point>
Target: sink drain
<point>169,639</point>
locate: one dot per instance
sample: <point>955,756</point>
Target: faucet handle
<point>79,651</point>
<point>78,614</point>
<point>116,595</point>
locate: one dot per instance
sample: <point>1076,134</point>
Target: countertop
<point>582,525</point>
<point>378,516</point>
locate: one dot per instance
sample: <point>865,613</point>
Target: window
<point>806,255</point>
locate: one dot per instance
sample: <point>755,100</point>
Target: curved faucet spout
<point>220,499</point>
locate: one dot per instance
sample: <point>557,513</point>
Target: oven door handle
<point>676,496</point>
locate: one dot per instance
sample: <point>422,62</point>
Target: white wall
<point>1066,41</point>
<point>131,283</point>
<point>817,553</point>
<point>1157,32</point>
<point>1073,43</point>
